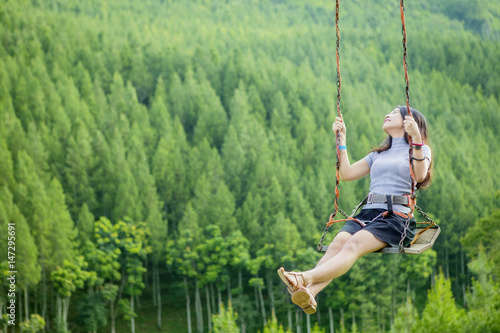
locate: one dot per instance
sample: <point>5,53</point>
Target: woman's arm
<point>420,163</point>
<point>346,170</point>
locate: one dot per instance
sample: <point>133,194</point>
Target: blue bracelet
<point>343,147</point>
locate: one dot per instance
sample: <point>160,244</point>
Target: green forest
<point>161,159</point>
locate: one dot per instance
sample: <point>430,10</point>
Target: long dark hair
<point>422,126</point>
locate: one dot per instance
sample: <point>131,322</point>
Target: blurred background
<point>161,159</point>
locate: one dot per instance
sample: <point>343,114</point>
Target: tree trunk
<point>209,309</point>
<point>262,307</point>
<point>36,298</point>
<point>44,293</point>
<point>342,324</point>
<point>298,322</point>
<point>199,310</point>
<point>447,264</point>
<point>20,306</point>
<point>318,313</point>
<point>308,320</point>
<point>132,319</point>
<point>26,303</point>
<point>65,311</point>
<point>289,315</point>
<point>240,288</point>
<point>256,293</point>
<point>330,315</point>
<point>155,267</point>
<point>188,306</point>
<point>408,295</point>
<point>219,298</point>
<point>212,294</point>
<point>379,315</point>
<point>59,310</point>
<point>158,296</point>
<point>113,316</point>
<point>270,293</point>
<point>229,295</point>
<point>146,284</point>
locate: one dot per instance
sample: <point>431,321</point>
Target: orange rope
<point>407,91</point>
<point>339,113</point>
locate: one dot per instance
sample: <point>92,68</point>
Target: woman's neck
<point>396,133</point>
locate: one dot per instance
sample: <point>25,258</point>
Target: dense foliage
<point>177,153</point>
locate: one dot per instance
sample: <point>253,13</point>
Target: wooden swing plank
<point>423,242</point>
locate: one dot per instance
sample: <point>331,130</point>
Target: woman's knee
<point>339,242</point>
<point>352,247</point>
<point>362,243</point>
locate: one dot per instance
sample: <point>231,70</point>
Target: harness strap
<point>350,218</point>
<point>363,224</point>
<point>389,204</point>
<point>404,200</point>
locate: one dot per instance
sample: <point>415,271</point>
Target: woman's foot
<point>305,299</point>
<point>293,280</point>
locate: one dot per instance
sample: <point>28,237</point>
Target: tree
<point>485,232</point>
<point>212,198</point>
<point>26,256</point>
<point>272,326</point>
<point>484,298</point>
<point>158,114</point>
<point>85,224</point>
<point>182,254</point>
<point>66,280</point>
<point>12,129</point>
<point>92,312</point>
<point>405,319</point>
<point>225,320</point>
<point>212,120</point>
<point>62,233</point>
<point>49,220</point>
<point>441,313</point>
<point>33,325</point>
<point>79,162</point>
<point>128,245</point>
<point>235,165</point>
<point>127,203</point>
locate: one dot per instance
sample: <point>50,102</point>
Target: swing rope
<point>410,152</point>
<point>339,114</point>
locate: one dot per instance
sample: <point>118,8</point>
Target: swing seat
<point>424,242</point>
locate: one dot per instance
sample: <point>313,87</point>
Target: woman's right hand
<point>339,126</point>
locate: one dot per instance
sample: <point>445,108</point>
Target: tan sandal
<point>305,299</point>
<point>292,284</point>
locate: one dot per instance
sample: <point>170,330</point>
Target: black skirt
<point>387,229</point>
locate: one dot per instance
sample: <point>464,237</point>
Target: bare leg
<point>333,249</point>
<point>359,244</point>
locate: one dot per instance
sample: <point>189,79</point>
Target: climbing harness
<point>427,231</point>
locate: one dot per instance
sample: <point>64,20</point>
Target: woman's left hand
<point>411,128</point>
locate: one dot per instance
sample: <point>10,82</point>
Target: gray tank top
<point>390,172</point>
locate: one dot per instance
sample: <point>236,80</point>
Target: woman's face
<point>393,121</point>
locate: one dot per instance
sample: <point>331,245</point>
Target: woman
<point>389,183</point>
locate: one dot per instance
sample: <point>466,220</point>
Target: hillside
<point>153,150</point>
